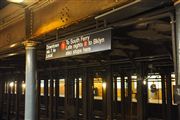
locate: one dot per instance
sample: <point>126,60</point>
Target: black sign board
<point>177,94</point>
<point>92,42</point>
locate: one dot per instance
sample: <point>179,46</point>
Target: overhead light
<point>16,1</point>
<point>12,54</point>
<point>13,45</point>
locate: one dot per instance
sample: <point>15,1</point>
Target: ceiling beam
<point>59,14</point>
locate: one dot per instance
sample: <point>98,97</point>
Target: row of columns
<point>86,78</point>
<point>9,100</point>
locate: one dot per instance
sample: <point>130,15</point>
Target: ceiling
<point>8,8</point>
<point>141,41</point>
<point>3,3</point>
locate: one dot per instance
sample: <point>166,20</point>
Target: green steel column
<point>177,7</point>
<point>31,77</point>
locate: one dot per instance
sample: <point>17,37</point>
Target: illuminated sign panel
<point>92,42</point>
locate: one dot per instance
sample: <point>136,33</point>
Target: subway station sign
<point>83,44</point>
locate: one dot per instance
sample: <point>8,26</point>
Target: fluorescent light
<point>16,1</point>
<point>104,85</point>
<point>144,82</point>
<point>12,54</point>
<point>23,85</point>
<point>134,77</point>
<point>13,45</point>
<point>11,84</point>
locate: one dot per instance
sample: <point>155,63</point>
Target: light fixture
<point>173,75</point>
<point>13,45</point>
<point>16,1</point>
<point>23,85</point>
<point>104,85</point>
<point>134,77</point>
<point>144,82</point>
<point>11,84</point>
<point>11,54</point>
<point>118,78</point>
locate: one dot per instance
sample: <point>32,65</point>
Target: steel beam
<point>63,13</point>
<point>15,28</point>
<point>66,12</point>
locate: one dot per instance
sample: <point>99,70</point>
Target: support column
<point>77,98</point>
<point>31,78</point>
<point>2,85</point>
<point>13,95</point>
<point>169,96</point>
<point>141,92</point>
<point>91,95</point>
<point>109,89</point>
<point>140,98</point>
<point>56,96</point>
<point>46,96</point>
<point>85,94</point>
<point>163,80</point>
<point>104,96</point>
<point>122,97</point>
<point>66,99</point>
<point>51,104</point>
<point>8,101</point>
<point>115,105</point>
<point>129,109</point>
<point>38,97</point>
<point>177,6</point>
<point>19,83</point>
